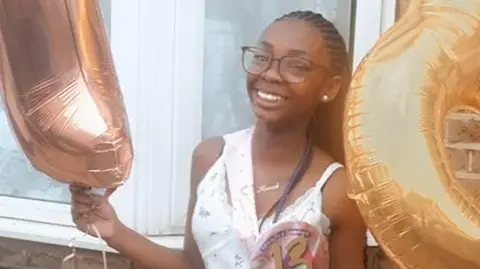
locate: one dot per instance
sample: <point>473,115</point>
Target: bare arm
<point>146,253</point>
<point>204,157</point>
<point>153,256</point>
<point>348,237</point>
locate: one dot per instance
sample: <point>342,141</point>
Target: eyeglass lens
<point>293,69</point>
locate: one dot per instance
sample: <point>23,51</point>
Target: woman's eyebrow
<point>294,52</point>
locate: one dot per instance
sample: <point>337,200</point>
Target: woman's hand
<point>90,212</point>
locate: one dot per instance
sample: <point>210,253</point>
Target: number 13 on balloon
<point>291,245</point>
<point>295,252</point>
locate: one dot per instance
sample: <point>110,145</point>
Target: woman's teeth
<point>269,96</point>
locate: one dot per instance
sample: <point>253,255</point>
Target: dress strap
<point>327,174</point>
<point>239,176</point>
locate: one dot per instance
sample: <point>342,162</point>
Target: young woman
<point>297,76</point>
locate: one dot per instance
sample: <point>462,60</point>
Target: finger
<point>97,210</point>
<point>85,216</point>
<point>75,215</point>
<point>109,192</point>
<point>98,200</point>
<point>93,218</point>
<point>82,199</point>
<point>101,213</point>
<point>78,209</point>
<point>103,194</point>
<point>85,198</point>
<point>78,189</point>
<point>78,216</point>
<point>82,224</point>
<point>83,195</point>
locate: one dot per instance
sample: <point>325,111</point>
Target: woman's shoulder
<point>208,150</point>
<point>337,204</point>
<point>237,135</point>
<point>204,157</point>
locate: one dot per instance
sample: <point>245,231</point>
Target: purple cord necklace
<point>292,181</point>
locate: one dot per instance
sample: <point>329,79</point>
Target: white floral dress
<point>222,228</point>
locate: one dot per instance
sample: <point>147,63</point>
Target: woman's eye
<point>260,58</point>
<point>300,67</point>
<point>298,64</point>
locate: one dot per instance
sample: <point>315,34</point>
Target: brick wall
<point>16,254</point>
<point>463,145</point>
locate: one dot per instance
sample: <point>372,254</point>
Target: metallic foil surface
<point>293,244</point>
<point>425,67</point>
<point>62,93</point>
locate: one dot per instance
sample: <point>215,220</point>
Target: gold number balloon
<point>61,91</point>
<point>424,67</point>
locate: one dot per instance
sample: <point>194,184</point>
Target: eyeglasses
<point>292,69</point>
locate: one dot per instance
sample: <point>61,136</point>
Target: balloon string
<point>101,241</point>
<point>71,245</point>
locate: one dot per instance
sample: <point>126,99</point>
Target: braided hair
<point>328,118</point>
<point>327,129</point>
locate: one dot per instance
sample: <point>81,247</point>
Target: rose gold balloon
<point>61,91</point>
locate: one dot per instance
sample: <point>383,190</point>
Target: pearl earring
<point>325,98</point>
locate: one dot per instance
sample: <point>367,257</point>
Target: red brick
<point>475,165</point>
<point>462,139</point>
<point>463,128</point>
<point>458,159</point>
<point>33,255</point>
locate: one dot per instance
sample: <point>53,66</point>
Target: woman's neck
<point>279,145</point>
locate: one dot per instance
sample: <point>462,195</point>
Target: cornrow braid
<point>327,125</point>
<point>334,41</point>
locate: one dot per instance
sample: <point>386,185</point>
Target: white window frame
<point>158,51</point>
<point>142,42</point>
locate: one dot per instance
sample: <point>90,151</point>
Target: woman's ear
<point>332,88</point>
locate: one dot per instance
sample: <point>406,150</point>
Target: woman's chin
<point>268,117</point>
<point>272,120</point>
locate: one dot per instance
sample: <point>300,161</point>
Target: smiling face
<point>295,77</point>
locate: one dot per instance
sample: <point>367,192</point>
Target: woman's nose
<point>273,72</point>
